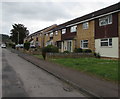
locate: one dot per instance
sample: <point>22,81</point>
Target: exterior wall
<point>46,38</point>
<point>35,41</point>
<point>119,31</point>
<point>40,40</point>
<point>86,34</point>
<point>108,51</point>
<point>107,30</point>
<point>57,37</point>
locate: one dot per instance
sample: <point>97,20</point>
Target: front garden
<point>107,69</point>
<point>103,68</point>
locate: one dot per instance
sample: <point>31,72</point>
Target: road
<point>21,78</point>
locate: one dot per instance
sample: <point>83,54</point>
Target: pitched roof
<point>93,15</point>
<point>43,30</point>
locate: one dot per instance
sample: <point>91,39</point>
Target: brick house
<point>107,30</point>
<point>98,31</point>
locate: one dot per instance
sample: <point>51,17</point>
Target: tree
<point>4,38</point>
<point>18,33</point>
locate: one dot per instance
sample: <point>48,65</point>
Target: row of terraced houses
<point>98,31</point>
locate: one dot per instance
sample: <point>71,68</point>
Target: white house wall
<point>108,51</point>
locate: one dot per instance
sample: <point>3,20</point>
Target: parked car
<point>3,45</point>
<point>19,46</point>
<point>32,46</point>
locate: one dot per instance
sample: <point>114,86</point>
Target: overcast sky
<point>38,14</point>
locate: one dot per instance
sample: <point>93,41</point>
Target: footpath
<point>91,86</point>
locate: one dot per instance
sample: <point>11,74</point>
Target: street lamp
<point>18,37</point>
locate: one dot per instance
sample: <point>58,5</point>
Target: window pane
<point>104,39</point>
<point>110,19</point>
<point>85,45</point>
<point>56,32</point>
<point>73,29</point>
<point>85,40</point>
<point>110,42</point>
<point>63,31</point>
<point>104,43</point>
<point>105,20</point>
<point>51,34</point>
<point>85,25</point>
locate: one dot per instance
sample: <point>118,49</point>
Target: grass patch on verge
<point>38,56</point>
<point>107,69</point>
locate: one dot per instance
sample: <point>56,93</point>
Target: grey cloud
<point>36,13</point>
<point>43,11</point>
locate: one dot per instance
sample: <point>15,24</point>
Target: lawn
<point>38,56</point>
<point>103,68</point>
<point>107,69</point>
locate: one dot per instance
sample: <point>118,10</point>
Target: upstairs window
<point>73,29</point>
<point>46,34</point>
<point>63,31</point>
<point>84,43</point>
<point>85,25</point>
<point>51,34</point>
<point>107,42</point>
<point>56,32</point>
<point>105,20</point>
<point>36,38</point>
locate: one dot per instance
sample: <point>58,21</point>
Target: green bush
<point>13,46</point>
<point>26,45</point>
<point>87,50</point>
<point>66,52</point>
<point>97,55</point>
<point>78,50</point>
<point>49,49</point>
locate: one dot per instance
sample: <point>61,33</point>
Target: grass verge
<point>107,69</point>
<point>103,68</point>
<point>38,56</point>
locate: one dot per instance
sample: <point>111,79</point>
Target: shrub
<point>13,46</point>
<point>87,50</point>
<point>78,50</point>
<point>66,52</point>
<point>97,55</point>
<point>26,45</point>
<point>49,49</point>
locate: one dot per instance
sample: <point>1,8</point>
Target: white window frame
<point>106,40</point>
<point>82,42</point>
<point>56,32</point>
<point>51,34</point>
<point>73,29</point>
<point>63,31</point>
<point>85,25</point>
<point>46,34</point>
<point>105,20</point>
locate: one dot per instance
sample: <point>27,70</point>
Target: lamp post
<point>18,37</point>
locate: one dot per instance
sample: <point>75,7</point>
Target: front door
<point>69,46</point>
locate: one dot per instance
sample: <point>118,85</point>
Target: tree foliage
<point>26,45</point>
<point>4,38</point>
<point>18,33</point>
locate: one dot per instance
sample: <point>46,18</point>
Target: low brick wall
<point>68,55</point>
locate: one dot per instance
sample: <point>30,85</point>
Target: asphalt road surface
<point>23,79</point>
